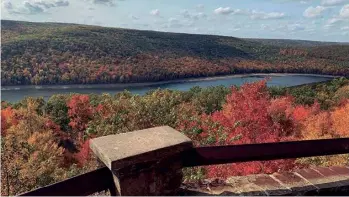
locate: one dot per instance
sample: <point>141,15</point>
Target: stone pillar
<point>145,162</point>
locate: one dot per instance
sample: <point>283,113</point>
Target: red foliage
<point>7,119</point>
<point>56,129</point>
<point>80,112</point>
<point>300,113</point>
<point>103,111</point>
<point>281,111</point>
<point>246,114</point>
<point>250,116</point>
<point>83,155</point>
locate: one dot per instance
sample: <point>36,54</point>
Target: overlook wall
<point>313,181</point>
<point>149,162</point>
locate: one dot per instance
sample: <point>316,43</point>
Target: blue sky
<point>324,20</point>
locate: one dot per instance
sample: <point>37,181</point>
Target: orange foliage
<point>318,126</point>
<point>7,119</point>
<point>300,113</point>
<point>326,124</point>
<point>251,116</point>
<point>340,119</point>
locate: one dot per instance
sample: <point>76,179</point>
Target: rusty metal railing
<point>102,179</point>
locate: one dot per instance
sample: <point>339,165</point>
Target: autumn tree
<point>340,119</point>
<point>30,153</point>
<point>248,116</point>
<point>80,112</point>
<point>56,107</point>
<point>325,124</point>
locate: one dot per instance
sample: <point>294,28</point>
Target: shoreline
<point>144,84</point>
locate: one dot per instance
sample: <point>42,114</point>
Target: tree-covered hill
<point>58,53</point>
<point>295,43</point>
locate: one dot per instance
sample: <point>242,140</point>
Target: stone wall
<point>312,181</point>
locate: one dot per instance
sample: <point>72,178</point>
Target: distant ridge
<point>295,43</point>
<point>60,53</point>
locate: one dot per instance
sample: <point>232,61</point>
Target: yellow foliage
<point>30,156</point>
<point>317,126</point>
<point>327,124</point>
<point>340,119</point>
<point>332,160</point>
<point>342,93</point>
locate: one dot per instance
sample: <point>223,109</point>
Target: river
<point>16,93</point>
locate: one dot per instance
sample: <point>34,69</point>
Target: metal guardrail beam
<point>82,185</point>
<point>102,178</point>
<point>265,151</point>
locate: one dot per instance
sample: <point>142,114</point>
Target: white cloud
<point>35,6</point>
<point>332,2</point>
<point>296,27</point>
<point>304,2</point>
<point>238,11</point>
<point>344,12</point>
<point>176,23</point>
<point>193,15</point>
<point>7,5</point>
<point>254,14</point>
<point>61,3</point>
<point>345,28</point>
<point>264,26</point>
<point>334,20</point>
<point>155,12</point>
<point>224,11</point>
<point>263,15</point>
<point>338,19</point>
<point>173,20</point>
<point>312,12</point>
<point>200,15</point>
<point>228,10</point>
<point>49,4</point>
<point>104,2</point>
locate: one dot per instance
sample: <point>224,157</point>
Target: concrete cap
<point>125,149</point>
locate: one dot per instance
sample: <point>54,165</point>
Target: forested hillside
<point>44,142</point>
<point>53,53</point>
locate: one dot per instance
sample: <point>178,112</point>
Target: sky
<point>322,20</point>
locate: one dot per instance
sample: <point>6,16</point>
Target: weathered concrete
<point>296,184</point>
<point>144,162</point>
<point>118,151</point>
<point>269,185</point>
<point>318,180</point>
<point>311,181</point>
<point>243,186</point>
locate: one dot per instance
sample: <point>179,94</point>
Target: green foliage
<point>207,100</point>
<point>326,93</point>
<point>57,109</point>
<point>193,174</point>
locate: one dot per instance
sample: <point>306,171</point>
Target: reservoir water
<point>16,93</point>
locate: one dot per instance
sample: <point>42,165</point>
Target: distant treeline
<point>50,53</point>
